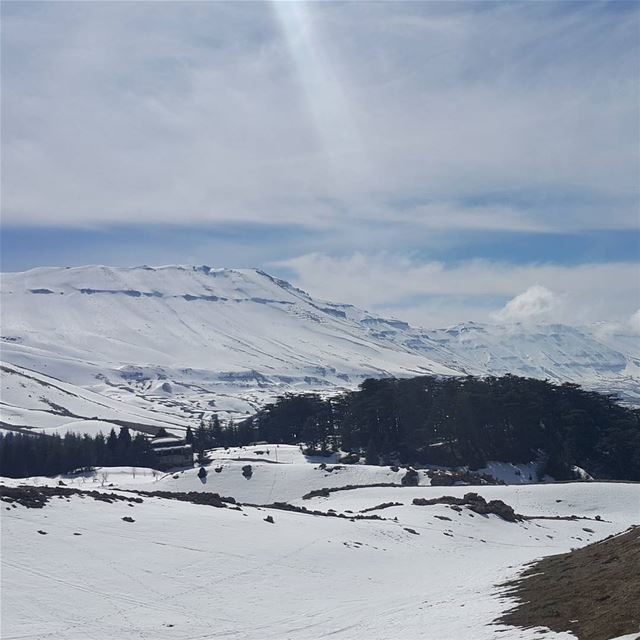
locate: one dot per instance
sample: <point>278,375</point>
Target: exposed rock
<point>196,497</point>
<point>285,506</point>
<point>37,497</point>
<point>475,503</point>
<point>383,505</point>
<point>317,493</point>
<point>411,478</point>
<point>442,478</point>
<point>325,492</point>
<point>497,507</point>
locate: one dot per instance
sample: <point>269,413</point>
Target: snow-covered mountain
<point>172,343</point>
<point>557,352</point>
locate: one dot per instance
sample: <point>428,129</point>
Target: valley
<point>163,568</point>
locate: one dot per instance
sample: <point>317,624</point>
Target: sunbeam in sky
<point>431,160</point>
<point>324,87</point>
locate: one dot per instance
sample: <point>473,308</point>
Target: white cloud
<point>433,294</point>
<point>536,303</point>
<point>201,112</point>
<point>373,125</point>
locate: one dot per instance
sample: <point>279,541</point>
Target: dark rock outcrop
<point>411,478</point>
<point>475,503</point>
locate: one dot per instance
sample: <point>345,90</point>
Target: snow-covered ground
<point>169,345</point>
<point>280,473</point>
<point>185,571</point>
<point>90,348</point>
<point>37,401</point>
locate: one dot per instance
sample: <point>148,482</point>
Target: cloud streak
<point>209,112</point>
<point>388,144</point>
<point>435,294</point>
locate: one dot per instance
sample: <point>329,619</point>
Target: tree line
<point>35,454</point>
<point>464,421</point>
<point>24,454</point>
<point>425,420</point>
<point>214,433</point>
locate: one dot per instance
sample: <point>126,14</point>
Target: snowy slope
<point>189,339</point>
<point>559,353</point>
<point>74,569</point>
<point>181,342</point>
<point>30,398</point>
<point>242,325</point>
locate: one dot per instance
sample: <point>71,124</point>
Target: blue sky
<point>431,160</point>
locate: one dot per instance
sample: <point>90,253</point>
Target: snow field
<point>186,571</point>
<point>172,344</point>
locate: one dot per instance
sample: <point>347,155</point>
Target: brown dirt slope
<point>592,592</point>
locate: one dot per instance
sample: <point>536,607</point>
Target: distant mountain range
<point>166,345</point>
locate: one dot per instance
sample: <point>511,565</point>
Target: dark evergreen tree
<point>124,446</point>
<point>200,438</point>
<point>448,421</point>
<point>215,431</point>
<point>466,421</point>
<point>112,448</point>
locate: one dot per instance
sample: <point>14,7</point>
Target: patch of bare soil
<point>196,497</point>
<point>326,492</point>
<point>285,506</point>
<point>382,505</point>
<point>36,497</point>
<point>592,592</point>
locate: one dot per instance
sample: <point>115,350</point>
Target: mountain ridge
<point>189,340</point>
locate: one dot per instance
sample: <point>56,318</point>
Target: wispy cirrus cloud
<point>434,160</point>
<point>219,112</point>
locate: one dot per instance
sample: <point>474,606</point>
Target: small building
<point>171,451</point>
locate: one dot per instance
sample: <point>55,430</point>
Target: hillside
<point>573,591</point>
<point>463,422</point>
<point>184,341</point>
<point>118,561</point>
<point>180,342</point>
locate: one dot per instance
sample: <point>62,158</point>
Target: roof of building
<point>175,449</point>
<point>169,440</point>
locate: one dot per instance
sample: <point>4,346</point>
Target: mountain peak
<point>182,339</point>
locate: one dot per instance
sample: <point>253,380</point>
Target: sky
<point>438,162</point>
